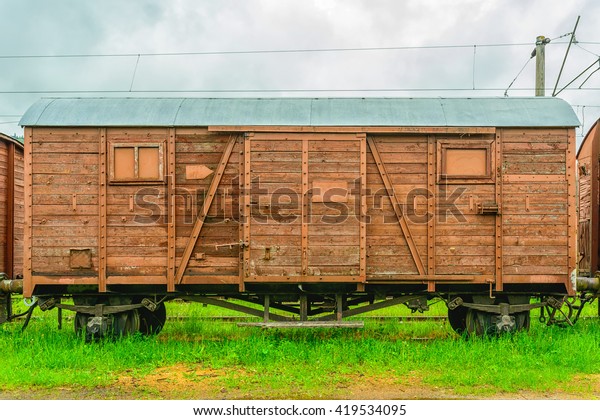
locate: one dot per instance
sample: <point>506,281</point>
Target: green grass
<point>307,363</point>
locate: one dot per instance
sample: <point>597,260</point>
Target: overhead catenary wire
<point>474,57</point>
<point>272,51</point>
<point>277,91</point>
<point>517,76</point>
<point>139,55</point>
<point>225,91</point>
<point>577,77</point>
<point>590,75</point>
<point>571,40</point>
<point>134,71</point>
<point>586,50</point>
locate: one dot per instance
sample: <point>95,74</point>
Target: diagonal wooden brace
<point>189,248</point>
<point>396,205</point>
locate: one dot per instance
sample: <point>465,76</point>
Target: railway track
<point>251,318</point>
<point>363,318</point>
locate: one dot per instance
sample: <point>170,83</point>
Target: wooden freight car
<point>323,208</point>
<point>11,218</point>
<point>589,210</point>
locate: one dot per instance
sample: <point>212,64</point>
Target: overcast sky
<point>470,68</point>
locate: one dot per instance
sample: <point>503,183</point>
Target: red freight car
<point>589,209</point>
<point>323,208</point>
<point>11,218</point>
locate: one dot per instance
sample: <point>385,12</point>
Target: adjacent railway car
<point>322,208</point>
<point>588,158</point>
<point>11,216</point>
<point>589,202</point>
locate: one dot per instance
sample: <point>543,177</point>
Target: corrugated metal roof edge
<point>47,102</point>
<point>587,137</point>
<point>18,141</point>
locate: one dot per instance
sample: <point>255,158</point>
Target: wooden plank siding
<point>4,211</point>
<point>535,211</point>
<point>589,203</point>
<point>218,236</point>
<point>304,206</point>
<point>64,164</point>
<point>11,207</point>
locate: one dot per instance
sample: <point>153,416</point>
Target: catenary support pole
<point>540,65</point>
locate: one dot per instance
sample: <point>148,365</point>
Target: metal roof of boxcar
<point>384,112</point>
<point>15,140</point>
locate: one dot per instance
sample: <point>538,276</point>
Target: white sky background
<point>42,27</point>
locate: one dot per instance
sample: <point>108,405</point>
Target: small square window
<point>465,161</point>
<point>136,162</point>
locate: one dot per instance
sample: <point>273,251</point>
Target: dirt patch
<point>177,382</point>
<point>183,382</point>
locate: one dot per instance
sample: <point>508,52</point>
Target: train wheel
<point>152,322</point>
<point>522,321</point>
<point>126,323</point>
<point>458,319</point>
<point>479,323</point>
<point>80,323</point>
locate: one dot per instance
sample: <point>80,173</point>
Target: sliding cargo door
<point>468,222</point>
<point>302,212</point>
<point>432,208</point>
<point>134,212</point>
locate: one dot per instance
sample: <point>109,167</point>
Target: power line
<point>160,91</point>
<point>586,50</point>
<point>562,66</point>
<point>517,76</point>
<point>280,51</point>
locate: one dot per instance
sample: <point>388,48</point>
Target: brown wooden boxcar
<point>589,203</point>
<point>321,207</point>
<point>588,160</point>
<point>11,215</point>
